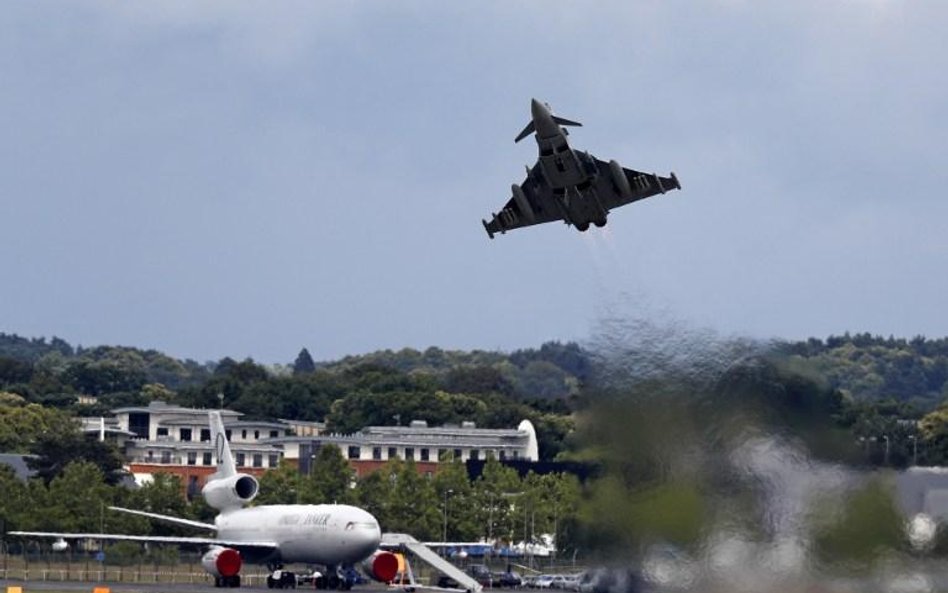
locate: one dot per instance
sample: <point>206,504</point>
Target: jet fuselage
<point>560,165</point>
<point>328,534</point>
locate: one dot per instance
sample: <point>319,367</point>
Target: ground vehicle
<point>482,574</point>
<point>508,579</point>
<point>544,581</point>
<point>446,582</point>
<point>610,580</point>
<point>570,582</point>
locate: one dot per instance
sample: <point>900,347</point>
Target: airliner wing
<point>198,541</point>
<point>167,518</point>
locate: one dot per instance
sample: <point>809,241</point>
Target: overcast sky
<point>244,179</point>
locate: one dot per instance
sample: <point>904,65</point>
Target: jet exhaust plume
<point>724,469</point>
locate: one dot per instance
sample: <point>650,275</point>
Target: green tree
<point>280,485</point>
<point>304,363</point>
<point>861,529</point>
<point>331,478</point>
<point>373,493</point>
<point>22,425</point>
<point>56,448</point>
<point>457,502</point>
<point>163,495</point>
<point>15,502</point>
<point>76,501</point>
<point>501,495</point>
<point>413,507</point>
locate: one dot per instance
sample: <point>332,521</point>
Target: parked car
<point>509,579</point>
<point>529,581</point>
<point>481,574</point>
<point>544,581</point>
<point>558,582</point>
<point>570,582</point>
<point>610,580</point>
<point>446,582</point>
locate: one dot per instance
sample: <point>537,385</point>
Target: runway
<point>79,586</point>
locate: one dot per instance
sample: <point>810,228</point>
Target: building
<point>162,438</point>
<point>370,448</point>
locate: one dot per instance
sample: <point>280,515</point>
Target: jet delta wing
<point>570,185</point>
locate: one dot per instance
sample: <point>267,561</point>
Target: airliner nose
<point>538,109</point>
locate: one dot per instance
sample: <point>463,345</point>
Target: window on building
<point>475,454</point>
<point>205,435</point>
<point>162,431</point>
<point>503,454</point>
<point>256,435</point>
<point>166,456</point>
<point>207,459</point>
<point>409,452</point>
<point>274,460</point>
<point>186,435</point>
<point>457,454</point>
<point>514,455</point>
<point>355,452</point>
<point>424,455</point>
<point>150,455</point>
<point>442,453</point>
<point>227,434</point>
<point>274,434</point>
<point>139,423</point>
<point>258,459</point>
<point>376,453</point>
<point>392,453</point>
<point>243,434</point>
<point>489,454</point>
<point>192,457</point>
<point>240,459</point>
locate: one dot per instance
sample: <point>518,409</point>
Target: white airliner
<point>331,535</point>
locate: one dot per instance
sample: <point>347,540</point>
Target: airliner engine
<point>224,565</point>
<point>381,566</point>
<point>230,493</point>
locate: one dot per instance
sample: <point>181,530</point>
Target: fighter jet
<point>570,185</point>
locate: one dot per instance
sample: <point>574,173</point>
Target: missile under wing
<point>570,185</point>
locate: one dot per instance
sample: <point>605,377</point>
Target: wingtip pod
<point>675,179</point>
<point>487,228</point>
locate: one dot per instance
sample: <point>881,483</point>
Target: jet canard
<point>570,185</point>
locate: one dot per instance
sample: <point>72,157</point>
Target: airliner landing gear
<point>231,581</point>
<point>332,580</point>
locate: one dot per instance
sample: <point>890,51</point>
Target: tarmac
<point>87,587</point>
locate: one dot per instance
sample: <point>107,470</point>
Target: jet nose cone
<point>538,109</point>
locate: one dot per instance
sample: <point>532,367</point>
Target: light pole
<point>490,520</point>
<point>885,461</point>
<point>444,532</point>
<point>914,449</point>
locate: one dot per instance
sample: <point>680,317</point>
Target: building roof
<point>445,437</point>
<point>160,407</point>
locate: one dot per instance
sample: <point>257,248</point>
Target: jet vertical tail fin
<point>225,461</point>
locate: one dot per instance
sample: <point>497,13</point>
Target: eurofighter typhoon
<point>570,185</point>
